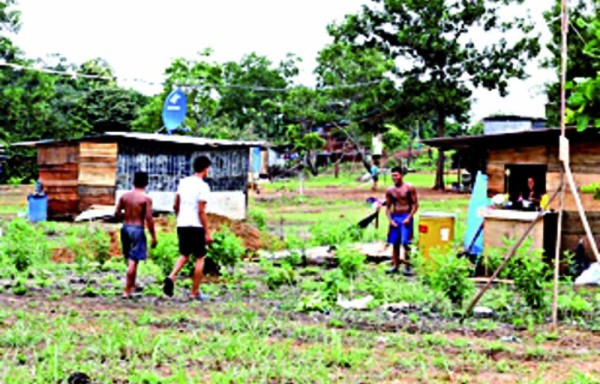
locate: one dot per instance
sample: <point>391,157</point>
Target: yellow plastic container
<point>436,231</point>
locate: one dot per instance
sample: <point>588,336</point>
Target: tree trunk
<point>312,166</point>
<point>439,172</point>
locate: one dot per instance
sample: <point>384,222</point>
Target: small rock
<point>510,339</point>
<point>400,307</point>
<point>483,312</point>
<point>359,304</point>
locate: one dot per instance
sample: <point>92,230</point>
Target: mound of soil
<point>252,237</point>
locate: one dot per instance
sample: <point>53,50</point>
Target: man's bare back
<point>136,205</point>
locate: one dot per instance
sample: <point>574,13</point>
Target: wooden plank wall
<point>58,167</point>
<point>585,166</point>
<point>97,174</point>
<point>584,162</point>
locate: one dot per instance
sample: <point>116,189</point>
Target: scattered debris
<point>483,312</point>
<point>96,212</point>
<point>325,255</point>
<point>401,307</point>
<point>357,304</point>
<point>510,339</point>
<point>590,276</point>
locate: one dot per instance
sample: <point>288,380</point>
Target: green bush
<point>350,260</point>
<point>227,249</point>
<point>15,181</point>
<point>446,273</point>
<point>529,272</point>
<point>335,283</point>
<point>24,245</point>
<point>166,252</point>
<point>276,277</point>
<point>88,243</point>
<point>572,304</point>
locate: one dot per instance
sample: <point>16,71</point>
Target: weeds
<point>446,273</point>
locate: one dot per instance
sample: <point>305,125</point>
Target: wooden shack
<point>510,158</point>
<point>97,170</point>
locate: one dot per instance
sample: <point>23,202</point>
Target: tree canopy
<point>582,14</point>
<point>437,63</point>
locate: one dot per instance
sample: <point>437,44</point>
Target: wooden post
<point>563,154</point>
<point>584,221</point>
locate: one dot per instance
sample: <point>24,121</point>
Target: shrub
<point>88,243</point>
<point>25,245</point>
<point>275,277</point>
<point>529,274</point>
<point>572,304</point>
<point>166,251</point>
<point>351,261</point>
<point>446,273</point>
<point>227,249</point>
<point>335,284</point>
<point>15,181</point>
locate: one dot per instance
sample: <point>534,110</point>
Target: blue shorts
<point>133,241</point>
<point>402,234</point>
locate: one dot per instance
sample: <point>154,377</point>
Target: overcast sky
<point>140,38</point>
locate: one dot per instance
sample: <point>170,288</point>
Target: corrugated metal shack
<point>97,170</point>
<point>510,158</point>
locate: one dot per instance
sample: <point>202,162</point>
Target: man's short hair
<point>201,163</point>
<point>140,180</point>
<point>398,169</point>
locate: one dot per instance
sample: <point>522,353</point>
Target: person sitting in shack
<point>531,197</point>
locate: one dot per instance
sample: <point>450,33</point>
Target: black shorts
<point>375,178</point>
<point>191,241</point>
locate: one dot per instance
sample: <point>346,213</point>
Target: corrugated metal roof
<point>156,137</point>
<point>513,139</point>
<point>200,141</point>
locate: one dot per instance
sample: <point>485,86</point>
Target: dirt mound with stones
<point>252,237</point>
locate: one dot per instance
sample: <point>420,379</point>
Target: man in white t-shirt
<point>192,226</point>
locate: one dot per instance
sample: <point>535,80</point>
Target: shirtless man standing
<point>138,210</point>
<point>401,206</point>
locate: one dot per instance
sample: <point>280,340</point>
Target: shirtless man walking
<point>401,206</point>
<point>138,210</point>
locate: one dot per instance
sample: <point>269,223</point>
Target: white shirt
<point>191,190</point>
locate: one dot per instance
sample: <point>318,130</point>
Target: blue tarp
<point>256,159</point>
<point>478,199</point>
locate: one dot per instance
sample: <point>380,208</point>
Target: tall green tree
<point>354,82</point>
<point>584,102</point>
<point>242,99</point>
<point>10,23</point>
<point>252,94</point>
<point>437,62</point>
<point>579,64</point>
